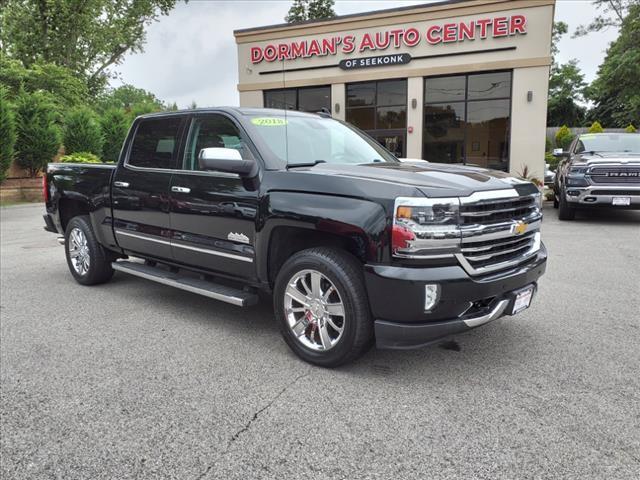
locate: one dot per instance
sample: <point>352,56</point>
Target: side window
<point>213,131</point>
<point>156,143</point>
<point>579,147</point>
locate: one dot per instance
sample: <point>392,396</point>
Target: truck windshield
<point>614,143</point>
<point>308,140</point>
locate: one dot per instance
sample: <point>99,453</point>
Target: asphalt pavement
<point>137,380</point>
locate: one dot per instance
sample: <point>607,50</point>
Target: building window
<point>467,119</point>
<point>308,99</point>
<point>380,109</point>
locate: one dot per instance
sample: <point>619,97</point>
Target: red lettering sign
<point>436,34</point>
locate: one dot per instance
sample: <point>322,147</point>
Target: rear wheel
<point>565,212</point>
<point>322,308</point>
<point>88,261</point>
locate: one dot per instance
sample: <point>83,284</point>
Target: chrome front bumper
<point>602,195</point>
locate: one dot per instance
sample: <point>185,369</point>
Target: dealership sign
<point>449,32</point>
<point>379,61</point>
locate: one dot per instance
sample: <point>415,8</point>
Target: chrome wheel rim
<point>79,251</point>
<point>314,310</point>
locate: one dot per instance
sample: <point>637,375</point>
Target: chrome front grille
<point>615,174</point>
<point>486,253</point>
<point>617,180</point>
<point>494,211</point>
<point>500,230</point>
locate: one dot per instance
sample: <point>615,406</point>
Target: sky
<point>190,55</point>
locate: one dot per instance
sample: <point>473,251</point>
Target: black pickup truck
<point>353,246</point>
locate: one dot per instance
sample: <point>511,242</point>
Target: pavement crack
<point>248,424</point>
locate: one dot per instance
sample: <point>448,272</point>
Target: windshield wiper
<point>310,164</point>
<point>591,152</point>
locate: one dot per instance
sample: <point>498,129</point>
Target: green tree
<point>613,14</point>
<point>115,125</point>
<point>566,86</point>
<point>7,134</point>
<point>630,129</point>
<point>88,36</point>
<point>596,127</point>
<point>564,137</point>
<point>82,132</point>
<point>38,135</point>
<point>615,91</point>
<point>302,10</point>
<point>64,87</point>
<point>126,97</point>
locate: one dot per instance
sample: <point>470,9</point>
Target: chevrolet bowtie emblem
<point>519,228</point>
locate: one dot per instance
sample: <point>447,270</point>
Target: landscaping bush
<point>552,161</point>
<point>80,157</point>
<point>7,134</point>
<point>564,137</point>
<point>82,132</point>
<point>596,127</point>
<point>630,129</point>
<point>38,135</point>
<point>115,125</point>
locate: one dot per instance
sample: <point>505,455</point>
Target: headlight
<point>578,170</point>
<point>426,227</point>
<point>538,199</point>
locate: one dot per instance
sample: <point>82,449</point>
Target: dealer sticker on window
<point>623,201</point>
<point>269,121</point>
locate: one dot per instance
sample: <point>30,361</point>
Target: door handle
<point>121,184</point>
<point>180,189</point>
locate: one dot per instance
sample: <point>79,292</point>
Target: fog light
<point>431,295</point>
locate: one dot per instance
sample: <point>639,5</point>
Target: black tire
<point>565,212</point>
<point>99,270</point>
<point>345,272</point>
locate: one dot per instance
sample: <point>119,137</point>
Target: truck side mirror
<point>226,160</point>
<point>559,153</point>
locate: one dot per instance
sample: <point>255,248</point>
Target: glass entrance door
<point>380,109</point>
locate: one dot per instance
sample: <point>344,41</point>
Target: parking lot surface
<point>137,380</point>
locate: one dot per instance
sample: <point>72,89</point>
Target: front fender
<point>361,221</point>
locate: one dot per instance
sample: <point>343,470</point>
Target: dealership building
<point>455,81</point>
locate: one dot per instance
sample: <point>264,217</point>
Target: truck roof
<point>245,111</point>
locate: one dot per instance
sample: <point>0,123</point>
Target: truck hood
<point>610,157</point>
<point>432,179</point>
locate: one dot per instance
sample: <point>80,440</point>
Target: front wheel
<point>88,261</point>
<point>322,308</point>
<point>565,212</point>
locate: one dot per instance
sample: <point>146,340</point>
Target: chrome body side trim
<point>186,247</point>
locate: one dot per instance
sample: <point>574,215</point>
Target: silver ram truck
<point>598,170</point>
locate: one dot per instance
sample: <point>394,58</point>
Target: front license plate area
<point>522,300</point>
<point>622,201</point>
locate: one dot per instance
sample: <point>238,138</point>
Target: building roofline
<point>348,16</point>
<point>396,11</point>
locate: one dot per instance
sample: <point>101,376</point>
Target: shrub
<point>552,161</point>
<point>115,125</point>
<point>7,134</point>
<point>80,157</point>
<point>38,135</point>
<point>630,129</point>
<point>596,127</point>
<point>82,132</point>
<point>547,145</point>
<point>564,137</point>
